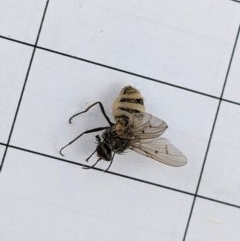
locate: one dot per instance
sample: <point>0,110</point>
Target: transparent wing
<point>161,150</point>
<point>147,126</point>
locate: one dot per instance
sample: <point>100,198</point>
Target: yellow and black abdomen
<point>129,101</point>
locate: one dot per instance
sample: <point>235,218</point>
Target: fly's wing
<point>146,126</point>
<point>161,150</point>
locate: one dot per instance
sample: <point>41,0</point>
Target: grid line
<point>124,176</point>
<point>121,70</point>
<point>23,88</point>
<point>211,134</point>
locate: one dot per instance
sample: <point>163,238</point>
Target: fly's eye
<point>104,152</point>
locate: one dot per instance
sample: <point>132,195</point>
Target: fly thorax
<point>122,124</point>
<point>114,141</point>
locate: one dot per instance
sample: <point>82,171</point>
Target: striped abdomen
<point>129,101</point>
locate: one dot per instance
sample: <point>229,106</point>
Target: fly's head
<point>103,150</point>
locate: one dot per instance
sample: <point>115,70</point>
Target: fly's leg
<point>84,167</point>
<point>89,107</point>
<point>85,132</point>
<point>90,155</point>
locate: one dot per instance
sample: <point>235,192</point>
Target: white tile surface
<point>221,175</point>
<point>15,60</point>
<point>214,221</point>
<point>182,42</point>
<point>188,115</point>
<point>2,148</point>
<point>52,200</point>
<point>21,19</point>
<point>233,87</point>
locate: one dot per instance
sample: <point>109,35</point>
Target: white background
<point>177,53</point>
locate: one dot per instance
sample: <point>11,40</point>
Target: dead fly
<point>133,129</point>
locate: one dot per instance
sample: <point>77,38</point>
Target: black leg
<point>84,167</point>
<point>89,107</point>
<point>85,132</point>
<point>91,155</point>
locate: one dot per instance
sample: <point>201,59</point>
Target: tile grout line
<point>230,101</point>
<point>218,201</point>
<point>211,134</point>
<point>129,72</point>
<point>121,70</point>
<point>124,176</point>
<point>24,85</point>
